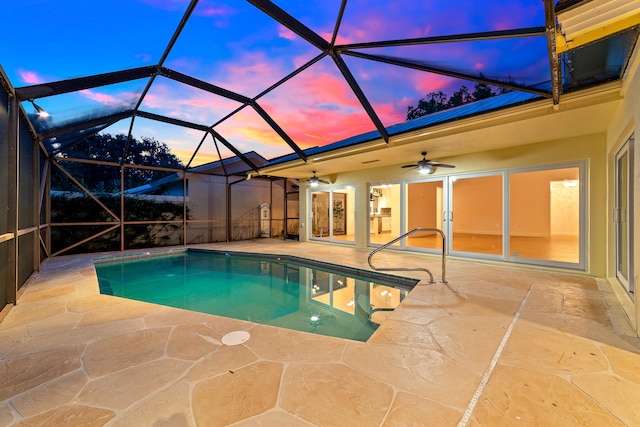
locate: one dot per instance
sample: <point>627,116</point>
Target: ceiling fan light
<point>313,181</point>
<point>426,170</point>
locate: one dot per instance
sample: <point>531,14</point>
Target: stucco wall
<point>626,122</point>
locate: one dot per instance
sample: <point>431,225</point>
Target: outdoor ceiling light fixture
<point>42,113</point>
<point>314,181</point>
<point>426,169</point>
<point>426,166</point>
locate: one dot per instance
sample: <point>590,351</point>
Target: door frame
<point>620,214</point>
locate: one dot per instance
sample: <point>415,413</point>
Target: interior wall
<point>350,212</point>
<point>529,219</point>
<point>477,205</point>
<point>421,199</point>
<point>564,208</point>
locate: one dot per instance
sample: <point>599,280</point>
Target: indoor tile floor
<point>495,346</point>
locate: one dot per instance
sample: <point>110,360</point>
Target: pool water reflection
<point>281,291</point>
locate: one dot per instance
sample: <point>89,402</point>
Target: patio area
<point>496,345</point>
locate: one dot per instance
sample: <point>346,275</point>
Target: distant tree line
<point>111,148</point>
<point>439,101</point>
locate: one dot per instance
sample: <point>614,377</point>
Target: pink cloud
<point>167,4</point>
<point>176,100</point>
<point>426,83</point>
<point>144,57</point>
<point>213,11</point>
<point>315,108</point>
<point>286,33</point>
<point>391,113</point>
<point>30,77</point>
<point>340,39</point>
<point>103,98</point>
<point>250,74</point>
<point>206,8</point>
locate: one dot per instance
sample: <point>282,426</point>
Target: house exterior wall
<point>626,122</point>
<point>589,148</point>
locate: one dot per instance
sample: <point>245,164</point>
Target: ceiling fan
<point>426,166</point>
<point>314,180</point>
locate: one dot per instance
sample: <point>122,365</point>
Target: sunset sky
<point>236,46</point>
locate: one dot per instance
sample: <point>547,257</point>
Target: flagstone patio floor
<point>495,346</point>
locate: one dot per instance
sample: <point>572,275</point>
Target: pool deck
<point>495,346</point>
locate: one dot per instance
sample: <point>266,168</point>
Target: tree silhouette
<point>438,101</point>
<point>111,148</point>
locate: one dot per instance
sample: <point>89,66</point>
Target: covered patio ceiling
<point>301,83</point>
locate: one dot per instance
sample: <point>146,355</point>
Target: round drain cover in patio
<point>235,337</point>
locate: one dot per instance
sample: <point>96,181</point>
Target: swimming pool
<point>277,290</point>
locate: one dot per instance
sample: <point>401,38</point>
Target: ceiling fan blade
<point>409,166</point>
<point>442,165</point>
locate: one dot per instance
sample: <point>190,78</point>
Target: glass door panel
<point>476,215</point>
<point>425,209</point>
<point>333,214</point>
<point>622,216</point>
<point>320,220</point>
<point>384,213</point>
<point>544,209</point>
<point>343,212</point>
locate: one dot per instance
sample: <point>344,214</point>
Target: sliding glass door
<point>333,215</point>
<point>544,212</point>
<point>476,215</point>
<point>426,208</point>
<point>385,213</point>
<point>623,215</point>
<point>531,216</point>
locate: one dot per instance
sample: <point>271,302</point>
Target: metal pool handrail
<point>444,255</point>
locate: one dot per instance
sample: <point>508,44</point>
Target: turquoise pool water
<point>282,291</point>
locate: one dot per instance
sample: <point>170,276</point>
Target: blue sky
<point>236,46</point>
